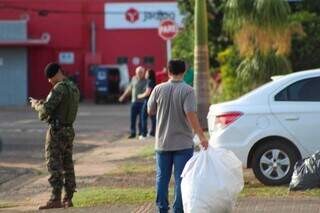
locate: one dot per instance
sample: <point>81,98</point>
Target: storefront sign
<point>140,15</point>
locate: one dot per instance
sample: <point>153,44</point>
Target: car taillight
<point>227,118</point>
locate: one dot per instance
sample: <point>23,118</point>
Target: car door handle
<point>292,118</point>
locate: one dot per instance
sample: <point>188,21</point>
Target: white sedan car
<point>272,127</point>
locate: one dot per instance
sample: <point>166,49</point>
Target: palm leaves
<point>262,30</point>
<point>266,14</point>
<point>261,66</point>
<point>259,24</point>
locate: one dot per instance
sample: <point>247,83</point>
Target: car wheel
<point>273,163</point>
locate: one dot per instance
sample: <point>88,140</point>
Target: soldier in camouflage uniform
<point>59,110</point>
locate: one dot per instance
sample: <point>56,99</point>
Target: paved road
<point>23,134</point>
<point>22,152</point>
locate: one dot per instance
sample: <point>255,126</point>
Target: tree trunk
<point>201,62</point>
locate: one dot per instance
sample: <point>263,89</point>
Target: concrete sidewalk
<point>265,205</point>
<point>278,205</point>
<point>244,205</point>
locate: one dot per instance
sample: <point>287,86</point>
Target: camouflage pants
<point>59,146</point>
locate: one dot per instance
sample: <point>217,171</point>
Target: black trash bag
<point>306,174</point>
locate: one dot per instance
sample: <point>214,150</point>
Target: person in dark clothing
<point>59,110</point>
<point>151,83</point>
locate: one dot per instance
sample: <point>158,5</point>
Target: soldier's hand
<point>33,102</point>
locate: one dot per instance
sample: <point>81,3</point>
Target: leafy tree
<point>312,6</point>
<point>262,31</point>
<point>305,51</point>
<point>183,44</point>
<point>232,85</point>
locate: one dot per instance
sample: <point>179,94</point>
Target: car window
<point>304,90</point>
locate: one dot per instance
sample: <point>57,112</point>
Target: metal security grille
<point>13,65</point>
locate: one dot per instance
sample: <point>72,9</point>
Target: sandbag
<point>211,181</point>
<point>306,174</point>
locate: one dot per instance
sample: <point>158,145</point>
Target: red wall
<point>71,32</point>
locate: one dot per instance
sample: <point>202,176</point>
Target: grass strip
<point>147,152</point>
<point>276,191</point>
<point>95,196</point>
<point>4,205</point>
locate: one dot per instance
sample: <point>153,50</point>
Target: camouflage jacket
<point>61,103</point>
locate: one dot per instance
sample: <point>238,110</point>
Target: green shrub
<point>231,86</point>
<point>305,51</point>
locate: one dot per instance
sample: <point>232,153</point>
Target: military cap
<point>51,70</point>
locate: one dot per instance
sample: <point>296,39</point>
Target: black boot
<point>67,200</point>
<point>52,204</point>
<point>55,200</point>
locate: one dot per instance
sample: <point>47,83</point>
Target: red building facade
<point>82,33</point>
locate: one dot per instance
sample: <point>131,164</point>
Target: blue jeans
<point>145,120</point>
<point>165,160</point>
<point>136,110</point>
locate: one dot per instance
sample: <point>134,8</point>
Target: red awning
<point>44,40</point>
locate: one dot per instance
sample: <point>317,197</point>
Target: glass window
<point>148,60</point>
<point>304,90</point>
<point>122,60</point>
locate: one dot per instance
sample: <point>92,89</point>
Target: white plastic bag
<point>211,181</point>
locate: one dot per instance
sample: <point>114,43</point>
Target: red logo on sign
<point>132,15</point>
<point>168,29</point>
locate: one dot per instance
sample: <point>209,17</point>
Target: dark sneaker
<point>131,136</point>
<point>67,203</point>
<point>52,205</point>
<point>152,134</point>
